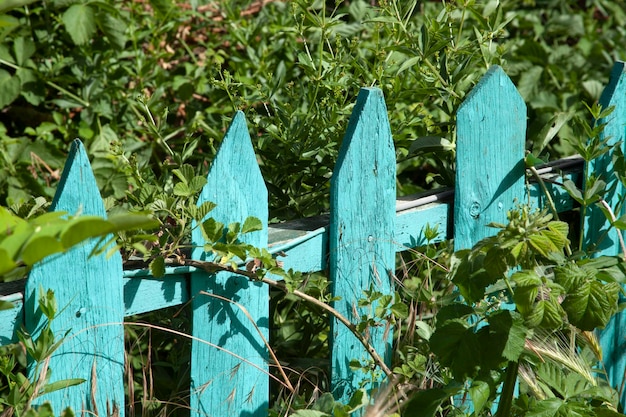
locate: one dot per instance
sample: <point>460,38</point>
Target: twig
<point>271,352</point>
<point>213,267</point>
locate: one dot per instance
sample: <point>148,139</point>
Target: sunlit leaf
<point>251,224</point>
<point>80,22</point>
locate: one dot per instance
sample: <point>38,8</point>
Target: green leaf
<point>6,305</point>
<point>131,221</point>
<point>479,392</point>
<point>457,347</point>
<point>9,88</point>
<point>542,244</point>
<point>114,29</point>
<point>545,313</point>
<point>431,144</point>
<point>531,160</point>
<point>358,400</point>
<point>591,304</point>
<point>252,224</point>
<point>454,311</point>
<point>7,264</point>
<point>182,189</point>
<point>309,413</point>
<point>196,184</point>
<point>546,408</point>
<point>426,403</point>
<point>400,310</point>
<point>472,278</point>
<point>84,227</point>
<point>507,333</point>
<point>80,22</point>
<point>23,48</point>
<point>550,130</point>
<point>212,230</point>
<point>64,383</point>
<point>157,267</point>
<point>573,191</point>
<point>37,248</point>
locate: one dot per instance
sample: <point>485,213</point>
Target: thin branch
<point>213,267</point>
<point>269,348</point>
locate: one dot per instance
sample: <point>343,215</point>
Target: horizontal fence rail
<point>355,243</point>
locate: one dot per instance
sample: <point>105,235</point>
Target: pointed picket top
<point>89,294</point>
<point>362,222</point>
<point>491,135</point>
<point>235,184</point>
<point>232,381</point>
<point>596,225</point>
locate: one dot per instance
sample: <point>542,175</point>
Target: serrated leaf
<point>542,244</point>
<point>196,184</point>
<point>526,278</point>
<point>204,209</point>
<point>457,347</point>
<point>212,230</point>
<point>507,333</point>
<point>251,224</point>
<point>181,189</point>
<point>545,313</point>
<point>400,310</point>
<point>185,173</point>
<point>546,408</point>
<point>80,22</point>
<point>591,304</point>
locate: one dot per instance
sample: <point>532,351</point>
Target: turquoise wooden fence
<point>356,244</point>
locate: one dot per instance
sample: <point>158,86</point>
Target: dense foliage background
<point>149,86</point>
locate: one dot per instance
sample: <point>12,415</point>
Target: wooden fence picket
<point>596,225</point>
<point>491,135</point>
<point>89,294</point>
<point>230,376</point>
<point>362,222</point>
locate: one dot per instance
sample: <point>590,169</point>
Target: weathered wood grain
<point>491,134</point>
<point>362,225</point>
<point>90,299</point>
<point>223,384</point>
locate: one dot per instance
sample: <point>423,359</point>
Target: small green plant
<point>17,390</point>
<point>520,288</point>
